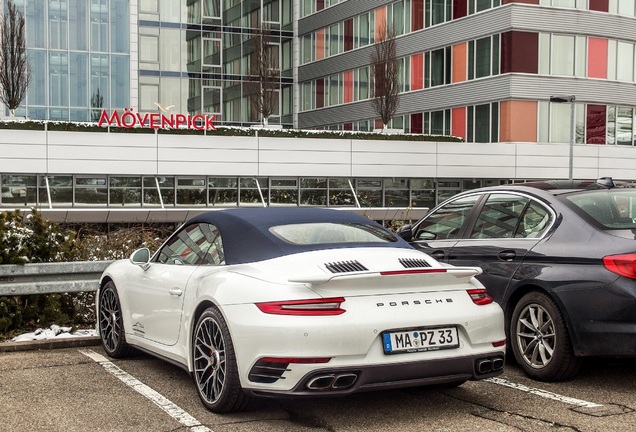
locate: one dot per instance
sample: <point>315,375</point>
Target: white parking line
<point>544,393</point>
<point>173,410</point>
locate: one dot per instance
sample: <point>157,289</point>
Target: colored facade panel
<point>458,122</point>
<point>348,35</point>
<point>518,121</point>
<point>348,86</point>
<point>460,8</point>
<point>320,44</point>
<point>597,58</point>
<point>417,71</point>
<point>459,62</point>
<point>595,124</point>
<point>519,52</point>
<point>380,22</point>
<point>416,123</point>
<point>417,15</point>
<point>599,5</point>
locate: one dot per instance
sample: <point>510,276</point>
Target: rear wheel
<point>215,370</point>
<point>111,323</point>
<point>540,339</point>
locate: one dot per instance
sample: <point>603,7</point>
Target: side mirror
<point>406,232</point>
<point>141,257</point>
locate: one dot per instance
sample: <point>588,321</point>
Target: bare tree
<point>386,75</point>
<point>264,75</point>
<point>97,102</point>
<point>14,64</point>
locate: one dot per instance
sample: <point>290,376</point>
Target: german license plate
<point>420,340</point>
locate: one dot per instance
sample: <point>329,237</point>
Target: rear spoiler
<point>411,274</point>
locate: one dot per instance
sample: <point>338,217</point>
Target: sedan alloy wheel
<point>540,339</point>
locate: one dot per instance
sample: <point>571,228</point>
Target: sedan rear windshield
<point>612,209</point>
<point>329,233</point>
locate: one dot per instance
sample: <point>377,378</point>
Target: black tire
<point>540,340</point>
<point>111,323</point>
<point>215,371</point>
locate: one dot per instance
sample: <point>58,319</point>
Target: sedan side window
<point>446,222</point>
<point>499,217</point>
<point>195,244</point>
<point>535,221</point>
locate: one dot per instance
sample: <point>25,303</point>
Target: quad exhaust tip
<point>488,365</point>
<point>339,381</point>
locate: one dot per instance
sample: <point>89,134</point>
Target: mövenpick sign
<point>130,119</point>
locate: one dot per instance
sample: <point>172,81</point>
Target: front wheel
<point>540,339</point>
<point>111,323</point>
<point>215,370</point>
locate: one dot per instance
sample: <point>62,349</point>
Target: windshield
<point>613,209</point>
<point>329,233</point>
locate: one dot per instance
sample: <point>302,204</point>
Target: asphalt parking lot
<point>79,389</point>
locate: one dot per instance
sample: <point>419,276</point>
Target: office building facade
<point>547,77</point>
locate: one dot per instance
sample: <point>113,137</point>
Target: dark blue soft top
<point>246,235</point>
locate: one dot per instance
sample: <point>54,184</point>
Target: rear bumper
<point>347,380</point>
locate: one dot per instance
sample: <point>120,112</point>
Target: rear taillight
<point>312,307</point>
<point>624,265</point>
<point>479,296</point>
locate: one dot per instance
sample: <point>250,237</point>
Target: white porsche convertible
<point>298,301</point>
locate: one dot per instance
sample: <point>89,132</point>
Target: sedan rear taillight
<point>624,265</point>
<point>312,307</point>
<point>479,296</point>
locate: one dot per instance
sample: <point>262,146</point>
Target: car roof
<point>561,187</point>
<point>247,238</point>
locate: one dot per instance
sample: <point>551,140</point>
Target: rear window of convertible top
<point>331,233</point>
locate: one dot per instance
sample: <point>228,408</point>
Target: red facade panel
<point>595,124</point>
<point>460,8</point>
<point>417,15</point>
<point>416,123</point>
<point>519,52</point>
<point>599,5</point>
<point>348,35</point>
<point>597,58</point>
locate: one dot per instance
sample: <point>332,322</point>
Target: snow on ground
<point>54,332</point>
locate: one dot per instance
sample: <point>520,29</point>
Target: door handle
<point>175,291</point>
<point>507,255</point>
<point>438,255</point>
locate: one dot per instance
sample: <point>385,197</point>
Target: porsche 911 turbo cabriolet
<point>299,302</point>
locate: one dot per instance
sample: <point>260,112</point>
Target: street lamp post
<point>569,99</point>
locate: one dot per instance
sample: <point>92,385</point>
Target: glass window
<point>499,216</point>
<point>120,81</point>
<point>613,209</point>
<point>91,190</point>
<point>125,191</point>
<point>195,244</point>
<point>534,222</point>
<point>322,233</point>
<point>120,33</point>
<point>313,191</point>
<point>99,25</point>
<point>152,186</point>
<point>18,190</point>
<point>58,76</point>
<point>78,63</point>
<point>60,189</point>
<point>562,55</point>
<point>340,192</point>
<point>253,191</point>
<point>58,24</point>
<point>625,61</point>
<point>446,222</point>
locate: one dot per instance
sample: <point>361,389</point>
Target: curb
<point>70,342</point>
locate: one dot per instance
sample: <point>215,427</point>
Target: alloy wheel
<point>536,336</point>
<point>210,365</point>
<point>109,320</point>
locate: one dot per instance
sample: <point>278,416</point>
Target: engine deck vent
<point>345,267</point>
<point>413,262</point>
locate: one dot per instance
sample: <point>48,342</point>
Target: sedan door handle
<point>438,255</point>
<point>175,291</point>
<point>507,255</point>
